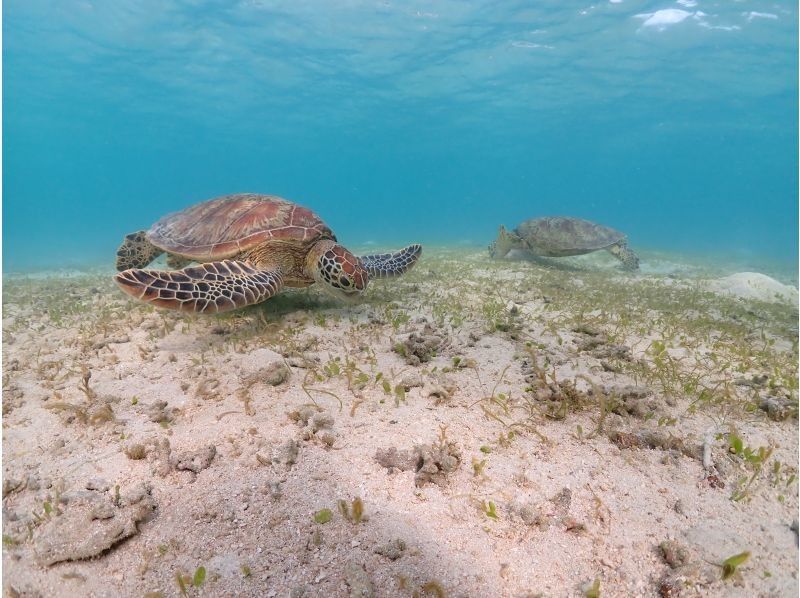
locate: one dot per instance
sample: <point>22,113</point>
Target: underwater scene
<point>413,299</point>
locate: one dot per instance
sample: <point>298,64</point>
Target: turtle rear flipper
<point>213,287</point>
<point>391,265</point>
<point>621,251</point>
<point>136,251</point>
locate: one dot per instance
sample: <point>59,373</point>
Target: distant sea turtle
<point>249,248</point>
<point>562,236</point>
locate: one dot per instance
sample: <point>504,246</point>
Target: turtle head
<point>505,242</point>
<point>337,270</point>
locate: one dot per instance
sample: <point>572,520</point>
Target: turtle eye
<point>344,281</point>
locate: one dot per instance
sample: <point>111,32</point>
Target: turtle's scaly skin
<point>389,265</point>
<point>621,251</point>
<point>560,236</point>
<point>249,247</point>
<point>215,286</point>
<point>136,251</point>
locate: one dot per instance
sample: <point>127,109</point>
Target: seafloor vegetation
<point>476,428</point>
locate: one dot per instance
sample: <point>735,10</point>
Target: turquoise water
<point>398,122</point>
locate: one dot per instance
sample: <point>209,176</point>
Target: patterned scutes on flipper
<point>209,288</point>
<point>225,226</point>
<point>390,265</point>
<point>136,251</point>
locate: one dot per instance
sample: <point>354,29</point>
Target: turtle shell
<point>225,226</point>
<point>561,236</point>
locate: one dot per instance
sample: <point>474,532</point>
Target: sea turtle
<point>249,247</point>
<point>559,236</point>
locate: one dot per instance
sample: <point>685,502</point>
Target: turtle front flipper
<point>504,243</point>
<point>621,251</point>
<point>214,287</point>
<point>136,251</point>
<point>391,265</point>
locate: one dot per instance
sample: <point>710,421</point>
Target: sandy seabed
<point>476,428</point>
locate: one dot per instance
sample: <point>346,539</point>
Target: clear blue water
<point>402,121</point>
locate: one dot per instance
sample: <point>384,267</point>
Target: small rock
<point>254,365</point>
<point>591,343</point>
<point>298,362</point>
<point>286,453</point>
<point>196,460</point>
<point>675,554</point>
<point>586,329</point>
<point>778,408</point>
<point>653,439</point>
<point>432,462</point>
<point>395,460</point>
<point>410,381</point>
<point>607,367</point>
<point>275,491</point>
<point>573,525</point>
<point>536,516</point>
<point>435,462</point>
<point>318,425</point>
<point>113,340</point>
<point>102,511</point>
<point>11,485</point>
<point>157,412</point>
<point>611,351</point>
<point>88,528</point>
<point>79,496</point>
<point>320,421</point>
<point>136,495</point>
<point>392,550</point>
<point>437,392</point>
<point>98,484</point>
<point>303,416</point>
<point>101,414</point>
<point>159,456</point>
<point>327,437</point>
<point>357,578</point>
<point>135,451</point>
<point>756,381</point>
<point>528,515</point>
<point>273,374</point>
<point>562,501</point>
<point>694,575</point>
<point>419,348</point>
<point>441,389</point>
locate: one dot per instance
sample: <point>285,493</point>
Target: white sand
<point>570,497</point>
<point>753,285</point>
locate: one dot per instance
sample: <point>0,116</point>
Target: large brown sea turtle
<point>559,236</point>
<point>249,248</point>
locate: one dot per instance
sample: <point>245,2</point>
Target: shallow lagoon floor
<point>476,428</point>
